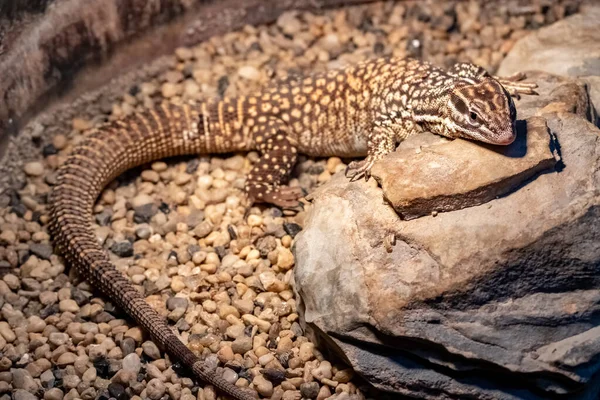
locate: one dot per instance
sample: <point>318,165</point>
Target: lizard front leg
<point>278,157</point>
<point>380,142</point>
<point>512,84</point>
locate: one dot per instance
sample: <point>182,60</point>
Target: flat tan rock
<point>460,173</point>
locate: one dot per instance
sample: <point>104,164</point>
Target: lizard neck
<point>430,104</point>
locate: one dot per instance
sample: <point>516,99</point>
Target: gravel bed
<point>181,230</point>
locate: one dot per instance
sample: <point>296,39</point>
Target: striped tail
<point>166,131</point>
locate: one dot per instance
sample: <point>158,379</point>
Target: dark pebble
<point>80,296</point>
<point>176,302</point>
<point>143,214</point>
<point>134,90</point>
<point>232,232</point>
<point>276,212</point>
<point>195,218</point>
<point>315,169</point>
<point>164,208</point>
<point>19,209</point>
<point>292,228</point>
<point>122,249</point>
<point>193,249</point>
<point>104,217</point>
<point>23,256</point>
<point>102,368</point>
<point>297,329</point>
<point>43,251</point>
<point>103,317</point>
<point>223,84</point>
<point>117,391</point>
<point>30,284</point>
<point>192,165</point>
<point>36,217</point>
<point>49,150</point>
<point>128,346</point>
<point>221,251</point>
<point>274,375</point>
<point>110,307</point>
<point>309,390</point>
<point>49,310</point>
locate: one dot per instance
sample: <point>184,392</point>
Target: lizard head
<point>483,111</point>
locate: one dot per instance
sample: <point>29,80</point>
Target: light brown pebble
<point>306,352</point>
<point>135,333</point>
<point>263,386</point>
<point>53,394</point>
<point>68,305</point>
<point>150,176</point>
<point>151,350</point>
<point>66,359</point>
<point>155,389</point>
<point>292,395</point>
<point>59,141</point>
<point>285,258</point>
<point>249,72</point>
<point>169,90</point>
<point>81,124</point>
<point>324,393</point>
<point>8,237</point>
<point>225,354</point>
<point>34,168</point>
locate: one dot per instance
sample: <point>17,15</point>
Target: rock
<point>122,249</point>
<point>249,72</point>
<point>22,379</point>
<point>68,305</point>
<point>155,389</point>
<point>309,390</point>
<point>568,47</point>
<point>263,386</point>
<point>144,213</point>
<point>53,394</point>
<point>292,229</point>
<point>132,363</point>
<point>151,350</point>
<point>241,345</point>
<point>457,174</point>
<point>501,286</point>
<point>21,394</point>
<point>34,168</point>
<point>43,251</point>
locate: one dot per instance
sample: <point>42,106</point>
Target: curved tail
<point>166,131</point>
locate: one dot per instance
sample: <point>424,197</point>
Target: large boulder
<point>493,299</point>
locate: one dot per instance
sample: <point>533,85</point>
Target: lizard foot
<point>515,87</point>
<point>357,169</point>
<point>285,197</point>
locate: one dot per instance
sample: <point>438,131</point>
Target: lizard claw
<point>357,169</point>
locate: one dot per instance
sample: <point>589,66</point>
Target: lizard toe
<point>285,197</point>
<point>357,169</point>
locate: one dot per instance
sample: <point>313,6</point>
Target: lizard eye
<point>473,116</point>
